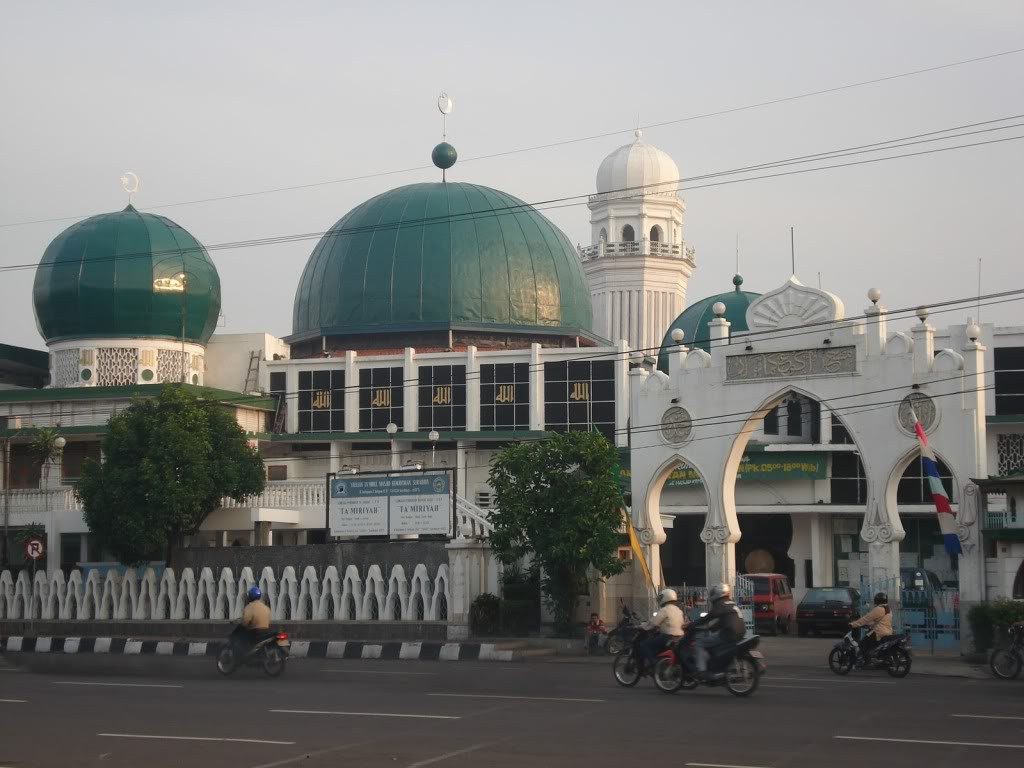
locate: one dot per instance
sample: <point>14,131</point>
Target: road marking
<point>191,738</point>
<point>926,741</point>
<point>13,701</point>
<point>363,714</point>
<point>118,685</point>
<point>794,687</point>
<point>990,717</point>
<point>446,755</point>
<point>382,672</point>
<point>721,765</point>
<point>515,698</point>
<point>833,680</point>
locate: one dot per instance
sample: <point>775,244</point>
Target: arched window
<point>794,418</point>
<point>627,234</point>
<point>913,487</point>
<point>603,237</point>
<point>655,234</point>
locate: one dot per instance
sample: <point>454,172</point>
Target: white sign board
<point>382,505</point>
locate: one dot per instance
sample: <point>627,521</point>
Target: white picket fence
<point>129,596</point>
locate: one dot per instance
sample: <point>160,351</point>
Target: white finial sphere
<point>638,133</point>
<point>973,332</point>
<point>874,295</point>
<point>718,309</point>
<point>677,335</point>
<point>922,313</point>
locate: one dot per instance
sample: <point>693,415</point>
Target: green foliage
<point>168,463</point>
<point>518,617</point>
<point>989,620</point>
<point>44,445</point>
<point>558,500</point>
<point>485,615</point>
<point>30,531</point>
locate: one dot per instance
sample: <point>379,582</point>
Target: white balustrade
<point>131,596</point>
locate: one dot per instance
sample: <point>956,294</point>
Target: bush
<point>485,615</point>
<point>519,617</point>
<point>989,621</point>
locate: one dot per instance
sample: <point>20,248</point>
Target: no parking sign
<point>35,549</point>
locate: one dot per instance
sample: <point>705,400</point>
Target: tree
<point>168,462</point>
<point>559,501</point>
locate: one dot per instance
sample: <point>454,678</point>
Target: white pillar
<point>351,392</point>
<point>472,390</point>
<point>622,394</point>
<point>536,389</point>
<point>410,388</point>
<point>291,399</point>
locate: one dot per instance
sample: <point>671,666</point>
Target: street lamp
<point>392,430</point>
<point>433,437</point>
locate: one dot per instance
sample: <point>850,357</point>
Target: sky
<point>206,99</point>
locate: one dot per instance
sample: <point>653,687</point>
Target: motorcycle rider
<point>254,622</point>
<point>724,625</point>
<point>880,619</point>
<point>669,621</point>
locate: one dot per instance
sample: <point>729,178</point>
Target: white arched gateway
<point>704,410</point>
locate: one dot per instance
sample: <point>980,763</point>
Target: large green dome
<point>442,256</point>
<point>118,275</point>
<point>695,318</point>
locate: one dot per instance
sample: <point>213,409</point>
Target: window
<point>840,434</point>
<point>1013,509</point>
<point>627,234</point>
<point>277,472</point>
<point>579,395</point>
<point>442,397</point>
<point>849,485</point>
<point>74,458</point>
<point>603,236</point>
<point>913,487</point>
<point>505,397</point>
<point>655,234</point>
<point>380,398</point>
<point>1009,366</point>
<point>794,418</point>
<point>26,470</point>
<point>771,421</point>
<point>321,400</point>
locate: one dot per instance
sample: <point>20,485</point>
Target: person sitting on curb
<point>595,630</point>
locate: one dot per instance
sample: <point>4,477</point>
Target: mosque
<point>436,322</point>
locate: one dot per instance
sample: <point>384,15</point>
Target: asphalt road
<point>179,713</point>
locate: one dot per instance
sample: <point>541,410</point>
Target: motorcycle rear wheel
<point>1005,663</point>
<point>273,662</point>
<point>627,670</point>
<point>226,662</point>
<point>668,677</point>
<point>742,676</point>
<point>898,664</point>
<point>840,662</point>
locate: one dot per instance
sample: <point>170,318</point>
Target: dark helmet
<point>881,598</point>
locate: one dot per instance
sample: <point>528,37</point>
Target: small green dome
<point>118,275</point>
<point>695,318</point>
<point>441,256</point>
<point>444,155</point>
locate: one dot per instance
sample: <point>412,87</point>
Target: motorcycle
<point>628,666</point>
<point>623,633</point>
<point>738,667</point>
<point>1006,662</point>
<point>269,651</point>
<point>891,654</point>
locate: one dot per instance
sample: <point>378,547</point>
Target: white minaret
<point>639,263</point>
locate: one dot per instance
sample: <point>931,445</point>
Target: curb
<point>300,649</point>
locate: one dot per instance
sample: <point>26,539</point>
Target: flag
<point>947,520</point>
<point>638,553</point>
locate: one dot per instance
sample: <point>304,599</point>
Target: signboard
<point>35,549</point>
<point>791,364</point>
<point>390,505</point>
<point>766,467</point>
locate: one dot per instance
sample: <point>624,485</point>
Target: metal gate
<point>694,601</point>
<point>931,616</point>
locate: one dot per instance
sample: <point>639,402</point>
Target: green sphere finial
<point>737,280</point>
<point>444,156</point>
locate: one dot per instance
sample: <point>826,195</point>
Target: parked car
<point>774,610</point>
<point>827,609</point>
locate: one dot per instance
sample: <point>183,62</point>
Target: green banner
<point>763,467</point>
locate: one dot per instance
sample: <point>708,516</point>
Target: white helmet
<point>720,592</point>
<point>667,596</point>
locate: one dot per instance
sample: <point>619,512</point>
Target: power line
<point>578,199</point>
<point>565,142</point>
